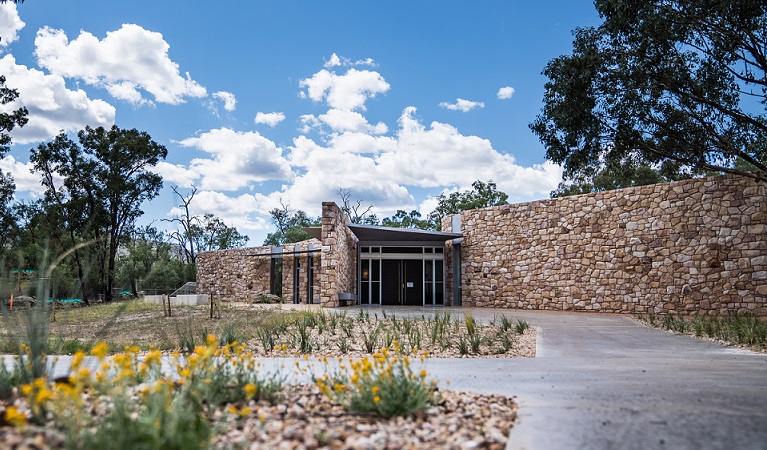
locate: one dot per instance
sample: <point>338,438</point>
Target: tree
<point>202,233</point>
<point>481,195</point>
<point>289,225</point>
<point>211,233</point>
<point>354,210</point>
<point>8,121</point>
<point>403,219</point>
<point>679,83</point>
<point>184,236</point>
<point>105,181</point>
<point>606,178</point>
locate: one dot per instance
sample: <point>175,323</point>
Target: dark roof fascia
<point>370,233</point>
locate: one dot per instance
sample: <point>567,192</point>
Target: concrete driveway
<point>603,381</point>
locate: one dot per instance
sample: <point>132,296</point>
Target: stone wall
<point>695,246</point>
<point>338,269</point>
<point>240,274</point>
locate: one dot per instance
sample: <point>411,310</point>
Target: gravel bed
<point>308,420</point>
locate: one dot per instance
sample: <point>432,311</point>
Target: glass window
<point>439,250</point>
<point>428,250</point>
<point>365,270</point>
<point>365,250</point>
<point>402,250</point>
<point>375,270</point>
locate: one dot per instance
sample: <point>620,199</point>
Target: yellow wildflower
<point>375,390</point>
<point>14,417</point>
<point>100,350</point>
<point>78,359</point>
<point>251,390</point>
<point>376,399</point>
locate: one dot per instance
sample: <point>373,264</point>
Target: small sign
<point>409,284</point>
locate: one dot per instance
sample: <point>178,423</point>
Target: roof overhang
<point>400,236</point>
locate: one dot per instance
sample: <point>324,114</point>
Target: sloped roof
<point>371,233</point>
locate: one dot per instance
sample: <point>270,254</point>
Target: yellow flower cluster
<point>382,383</point>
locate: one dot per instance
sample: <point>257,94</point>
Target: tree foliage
<point>211,233</point>
<point>201,233</point>
<point>678,86</point>
<point>481,195</point>
<point>404,219</point>
<point>8,121</point>
<point>150,263</point>
<point>289,224</point>
<point>95,187</point>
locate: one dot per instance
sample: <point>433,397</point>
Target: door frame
<point>375,252</point>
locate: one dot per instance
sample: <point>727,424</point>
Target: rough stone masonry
<point>695,246</point>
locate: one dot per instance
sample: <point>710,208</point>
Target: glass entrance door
<point>370,286</point>
<point>433,283</point>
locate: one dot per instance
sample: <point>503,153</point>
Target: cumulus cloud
<point>505,92</point>
<point>271,119</point>
<point>462,105</point>
<point>126,62</point>
<point>25,180</point>
<point>337,61</point>
<point>382,169</point>
<point>176,174</point>
<point>52,107</point>
<point>339,121</point>
<point>241,211</point>
<point>348,92</point>
<point>238,159</point>
<point>10,24</point>
<point>229,100</point>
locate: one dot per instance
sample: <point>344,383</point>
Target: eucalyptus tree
<point>98,185</point>
<point>679,86</point>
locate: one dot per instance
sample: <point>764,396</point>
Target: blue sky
<point>288,101</point>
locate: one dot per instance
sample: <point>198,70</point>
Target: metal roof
<point>371,233</point>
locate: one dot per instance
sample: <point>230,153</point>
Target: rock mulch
<point>460,420</point>
<point>308,420</point>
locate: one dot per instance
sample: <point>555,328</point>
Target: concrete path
<point>603,381</point>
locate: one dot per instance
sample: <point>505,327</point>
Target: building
<point>691,247</point>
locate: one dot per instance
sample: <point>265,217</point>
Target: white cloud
<point>52,107</point>
<point>229,100</point>
<point>340,121</point>
<point>271,119</point>
<point>382,169</point>
<point>176,174</point>
<point>244,212</point>
<point>348,91</point>
<point>10,24</point>
<point>462,105</point>
<point>239,159</point>
<point>505,92</point>
<point>124,62</point>
<point>25,180</point>
<point>337,61</point>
